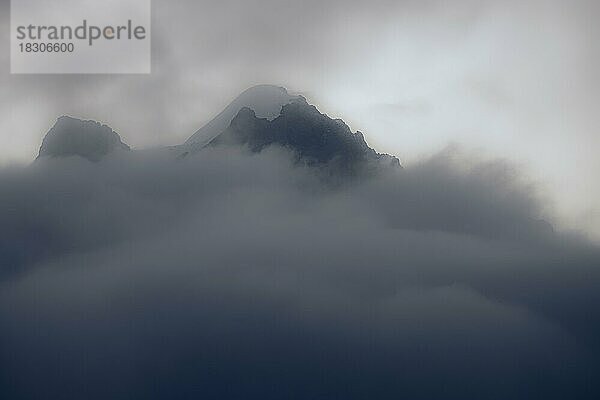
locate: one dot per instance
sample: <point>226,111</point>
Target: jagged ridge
<point>282,119</point>
<point>315,138</point>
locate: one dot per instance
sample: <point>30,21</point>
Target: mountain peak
<point>75,137</point>
<point>266,101</point>
<point>313,137</point>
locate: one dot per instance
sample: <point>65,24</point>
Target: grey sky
<point>507,79</point>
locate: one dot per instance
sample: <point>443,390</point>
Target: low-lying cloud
<point>229,275</point>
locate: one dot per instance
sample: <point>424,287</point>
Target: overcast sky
<point>510,79</point>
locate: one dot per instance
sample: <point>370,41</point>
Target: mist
<point>230,274</point>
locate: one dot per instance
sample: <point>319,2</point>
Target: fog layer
<point>236,275</point>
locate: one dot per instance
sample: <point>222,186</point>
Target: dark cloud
<point>229,275</point>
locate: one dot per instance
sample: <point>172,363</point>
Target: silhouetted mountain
<point>262,116</point>
<point>315,138</point>
<point>75,137</point>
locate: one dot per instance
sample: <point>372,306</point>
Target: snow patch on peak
<point>265,100</point>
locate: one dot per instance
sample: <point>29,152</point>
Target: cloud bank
<point>230,275</point>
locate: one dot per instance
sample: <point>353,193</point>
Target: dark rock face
<point>315,138</point>
<point>74,137</point>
